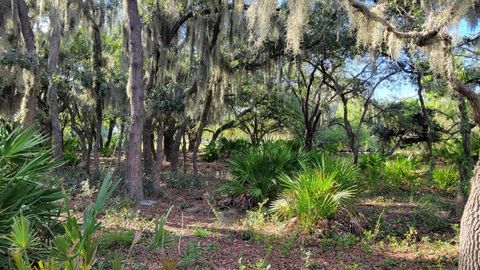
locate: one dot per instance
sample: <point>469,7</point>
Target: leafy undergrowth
<point>413,232</point>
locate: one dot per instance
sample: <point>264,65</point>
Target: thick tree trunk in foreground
<point>134,170</point>
<point>53,90</point>
<point>469,258</point>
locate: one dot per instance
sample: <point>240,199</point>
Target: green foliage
<point>15,57</point>
<point>402,173</point>
<point>113,238</point>
<point>25,185</point>
<point>346,174</point>
<point>76,249</point>
<point>161,237</point>
<point>224,148</point>
<point>333,139</point>
<point>201,232</point>
<point>373,166</point>
<point>316,194</point>
<point>257,170</point>
<point>211,153</point>
<point>446,178</point>
<point>71,148</point>
<point>192,253</point>
<point>23,241</point>
<point>405,122</point>
<point>227,147</point>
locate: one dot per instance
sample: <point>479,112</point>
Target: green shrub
<point>211,153</point>
<point>257,170</point>
<point>446,178</point>
<point>26,187</point>
<point>346,174</point>
<point>313,195</point>
<point>71,148</point>
<point>294,144</point>
<point>373,167</point>
<point>76,249</point>
<point>121,238</point>
<point>402,173</point>
<point>106,151</point>
<point>224,148</point>
<point>227,147</point>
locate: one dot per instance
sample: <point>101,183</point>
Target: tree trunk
<point>80,134</point>
<point>147,145</point>
<point>168,138</point>
<point>203,123</point>
<point>460,196</point>
<point>29,102</point>
<point>191,141</point>
<point>89,152</point>
<point>429,124</point>
<point>469,257</point>
<point>158,160</point>
<point>184,153</point>
<point>464,165</point>
<point>308,139</point>
<point>355,149</point>
<point>134,172</point>
<point>53,90</point>
<point>120,144</point>
<point>111,127</point>
<point>465,131</point>
<point>352,139</point>
<point>97,60</point>
<point>175,148</point>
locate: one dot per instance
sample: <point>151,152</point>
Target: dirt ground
<point>208,235</point>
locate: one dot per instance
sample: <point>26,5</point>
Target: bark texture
<point>29,101</point>
<point>53,89</point>
<point>158,161</point>
<point>469,257</point>
<point>134,169</point>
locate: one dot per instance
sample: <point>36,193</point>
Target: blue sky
<point>402,87</point>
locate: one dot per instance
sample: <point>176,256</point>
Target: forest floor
<point>409,231</point>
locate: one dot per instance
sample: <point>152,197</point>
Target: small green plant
<point>257,170</point>
<point>446,178</point>
<point>191,254</point>
<point>312,196</point>
<point>23,242</point>
<point>287,244</point>
<point>260,264</point>
<point>201,232</point>
<point>372,166</point>
<point>71,148</point>
<point>76,249</point>
<point>211,153</point>
<point>402,173</point>
<point>121,238</point>
<point>161,237</point>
